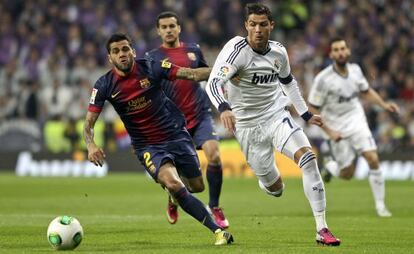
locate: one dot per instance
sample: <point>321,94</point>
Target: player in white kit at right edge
<point>258,74</point>
<point>334,94</point>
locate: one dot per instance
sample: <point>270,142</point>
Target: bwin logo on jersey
<point>260,79</point>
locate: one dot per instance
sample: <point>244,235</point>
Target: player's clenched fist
<point>316,119</point>
<point>229,120</point>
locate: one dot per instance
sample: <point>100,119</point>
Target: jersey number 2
<point>148,162</point>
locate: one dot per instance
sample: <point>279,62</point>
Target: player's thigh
<point>212,151</point>
<point>153,158</point>
<point>204,131</point>
<point>186,159</point>
<point>288,137</point>
<point>363,141</point>
<point>168,177</point>
<point>259,154</point>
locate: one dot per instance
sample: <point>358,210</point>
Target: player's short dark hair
<point>335,39</point>
<point>167,14</point>
<point>258,9</point>
<point>117,37</point>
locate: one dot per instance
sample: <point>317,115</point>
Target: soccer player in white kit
<point>258,74</point>
<point>334,94</point>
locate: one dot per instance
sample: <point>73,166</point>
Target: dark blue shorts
<point>203,131</point>
<point>179,152</point>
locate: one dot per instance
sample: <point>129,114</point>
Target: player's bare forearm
<point>90,121</point>
<point>372,96</point>
<point>198,74</point>
<point>95,154</point>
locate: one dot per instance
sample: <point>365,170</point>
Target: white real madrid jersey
<point>337,98</point>
<point>254,91</point>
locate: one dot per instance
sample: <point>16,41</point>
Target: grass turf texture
<point>125,213</point>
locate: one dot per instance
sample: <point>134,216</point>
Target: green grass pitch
<point>125,213</point>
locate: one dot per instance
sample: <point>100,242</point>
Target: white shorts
<point>345,151</point>
<point>259,143</point>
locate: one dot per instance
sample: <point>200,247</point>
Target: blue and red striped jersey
<point>188,95</point>
<point>147,113</point>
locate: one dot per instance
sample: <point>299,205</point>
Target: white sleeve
<point>290,86</point>
<point>363,84</point>
<point>226,66</point>
<point>317,92</point>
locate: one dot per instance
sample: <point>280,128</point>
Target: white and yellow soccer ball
<point>64,233</point>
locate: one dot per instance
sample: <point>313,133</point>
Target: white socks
<point>314,188</point>
<point>332,167</point>
<point>377,183</point>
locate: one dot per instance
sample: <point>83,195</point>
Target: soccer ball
<point>64,233</point>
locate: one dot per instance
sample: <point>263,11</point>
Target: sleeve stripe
<point>95,109</point>
<point>215,91</point>
<point>286,80</point>
<point>237,49</point>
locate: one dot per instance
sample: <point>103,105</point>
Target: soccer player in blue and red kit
<point>193,101</point>
<point>154,123</point>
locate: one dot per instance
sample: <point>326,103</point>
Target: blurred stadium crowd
<point>52,52</point>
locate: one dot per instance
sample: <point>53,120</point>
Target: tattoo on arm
<point>198,74</point>
<point>185,73</point>
<point>202,73</point>
<point>90,121</point>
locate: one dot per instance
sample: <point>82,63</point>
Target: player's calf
<point>278,188</point>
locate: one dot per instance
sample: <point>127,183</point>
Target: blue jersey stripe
<point>215,92</point>
<point>237,49</point>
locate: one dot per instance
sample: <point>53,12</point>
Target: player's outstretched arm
<point>373,96</point>
<point>197,74</point>
<point>95,154</point>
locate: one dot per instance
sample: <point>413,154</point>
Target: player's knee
<point>302,154</point>
<point>373,163</point>
<point>173,185</point>
<point>213,157</point>
<point>307,161</point>
<point>372,159</point>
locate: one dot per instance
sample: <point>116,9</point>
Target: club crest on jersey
<point>223,71</point>
<point>144,83</point>
<point>93,95</point>
<point>191,56</point>
<point>277,65</point>
<point>165,63</point>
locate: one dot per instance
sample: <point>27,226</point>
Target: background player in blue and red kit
<point>192,100</point>
<point>155,124</point>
